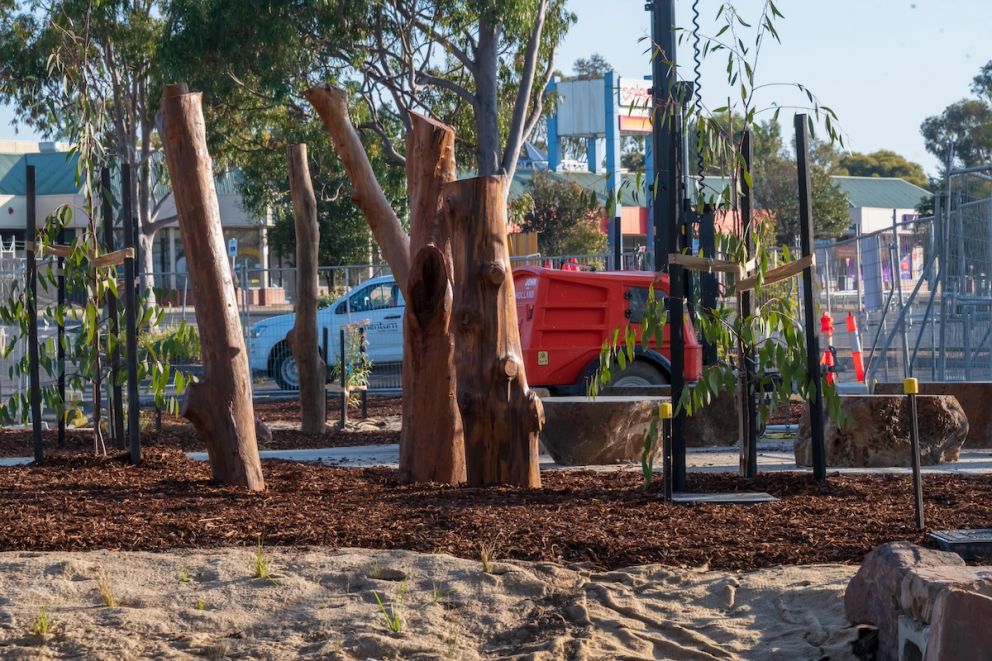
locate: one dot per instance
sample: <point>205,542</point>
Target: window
<point>375,297</point>
<point>637,302</point>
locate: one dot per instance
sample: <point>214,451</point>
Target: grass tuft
<point>487,555</point>
<point>262,569</point>
<point>391,614</point>
<point>106,592</point>
<point>42,624</point>
<point>184,575</point>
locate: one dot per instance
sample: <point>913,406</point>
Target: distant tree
<point>961,135</point>
<point>776,189</point>
<point>564,214</point>
<point>590,68</point>
<point>632,156</point>
<point>882,163</point>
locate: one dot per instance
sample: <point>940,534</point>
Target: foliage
<point>391,614</point>
<point>772,331</point>
<point>882,163</point>
<point>357,364</point>
<point>590,68</point>
<point>962,133</point>
<point>565,216</point>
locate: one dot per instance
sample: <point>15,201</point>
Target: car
<point>376,304</point>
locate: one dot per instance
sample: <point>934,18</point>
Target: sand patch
<point>320,603</point>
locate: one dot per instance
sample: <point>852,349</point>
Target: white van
<point>376,304</point>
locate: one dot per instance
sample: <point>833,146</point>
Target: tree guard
<point>219,406</point>
<point>500,415</point>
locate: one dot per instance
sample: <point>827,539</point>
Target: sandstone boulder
<point>960,628</point>
<point>877,432</point>
<point>873,595</point>
<point>974,398</point>
<point>608,429</point>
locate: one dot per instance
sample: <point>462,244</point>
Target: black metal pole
<point>911,387</point>
<point>130,319</point>
<point>325,345</point>
<point>666,203</point>
<point>750,411</point>
<point>812,340</point>
<point>707,281</point>
<point>60,337</point>
<point>617,243</point>
<point>116,396</point>
<point>344,384</point>
<point>32,276</point>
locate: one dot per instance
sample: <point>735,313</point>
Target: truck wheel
<point>639,374</point>
<point>284,369</point>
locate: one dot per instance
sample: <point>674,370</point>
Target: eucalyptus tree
<point>123,37</point>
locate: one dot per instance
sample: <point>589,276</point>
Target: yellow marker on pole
<point>665,413</point>
<point>911,388</point>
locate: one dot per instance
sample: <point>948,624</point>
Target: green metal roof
<point>55,174</point>
<point>880,192</point>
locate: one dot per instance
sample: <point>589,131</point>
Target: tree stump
<point>220,405</point>
<point>302,338</point>
<point>501,417</point>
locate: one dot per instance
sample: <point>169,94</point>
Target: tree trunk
<point>219,406</point>
<point>500,415</point>
<point>432,447</point>
<point>146,245</point>
<point>302,338</point>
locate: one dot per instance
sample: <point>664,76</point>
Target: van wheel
<point>639,374</point>
<point>285,370</point>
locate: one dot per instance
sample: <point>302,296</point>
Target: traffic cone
<point>547,264</point>
<point>827,329</point>
<point>852,332</point>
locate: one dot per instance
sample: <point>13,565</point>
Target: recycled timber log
<point>431,442</point>
<point>219,406</point>
<point>500,415</point>
<point>302,338</point>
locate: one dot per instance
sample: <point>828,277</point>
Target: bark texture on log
<point>302,338</point>
<point>501,416</point>
<point>219,406</point>
<point>331,103</point>
<point>432,448</point>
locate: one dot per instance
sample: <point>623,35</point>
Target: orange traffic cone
<point>852,332</point>
<point>827,329</point>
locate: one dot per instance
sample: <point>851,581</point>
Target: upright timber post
<point>220,405</point>
<point>749,403</point>
<point>32,277</point>
<point>302,337</point>
<point>666,206</point>
<point>812,340</point>
<point>116,397</point>
<point>130,318</point>
<point>707,280</point>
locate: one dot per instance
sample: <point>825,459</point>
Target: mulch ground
<point>76,502</point>
<point>178,433</point>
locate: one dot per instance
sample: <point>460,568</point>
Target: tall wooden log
<point>302,338</point>
<point>331,103</point>
<point>431,444</point>
<point>500,415</point>
<point>220,405</point>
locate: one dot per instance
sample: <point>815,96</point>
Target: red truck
<point>564,316</point>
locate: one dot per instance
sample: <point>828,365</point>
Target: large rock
<point>873,595</point>
<point>877,432</point>
<point>714,425</point>
<point>974,398</point>
<point>960,628</point>
<point>605,430</point>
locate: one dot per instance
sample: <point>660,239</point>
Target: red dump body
<point>564,316</point>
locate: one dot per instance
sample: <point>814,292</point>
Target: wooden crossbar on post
<point>779,273</point>
<point>114,258</point>
<point>776,274</point>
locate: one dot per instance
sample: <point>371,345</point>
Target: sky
<point>882,65</point>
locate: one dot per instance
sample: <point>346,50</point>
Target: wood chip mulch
<point>75,502</point>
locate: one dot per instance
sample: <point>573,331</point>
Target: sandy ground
<point>320,604</point>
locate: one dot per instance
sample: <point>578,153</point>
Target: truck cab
<point>564,317</point>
